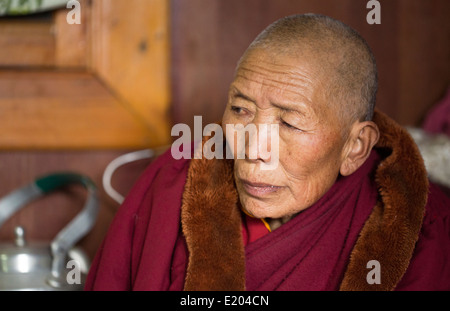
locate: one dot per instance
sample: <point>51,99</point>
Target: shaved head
<point>340,56</point>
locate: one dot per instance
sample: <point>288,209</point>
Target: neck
<point>275,223</point>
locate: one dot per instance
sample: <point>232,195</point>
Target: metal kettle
<point>42,266</point>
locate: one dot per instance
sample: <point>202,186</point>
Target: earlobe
<point>362,139</point>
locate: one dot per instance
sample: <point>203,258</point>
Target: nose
<point>258,143</point>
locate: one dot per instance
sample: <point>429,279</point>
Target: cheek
<point>308,167</point>
<point>309,157</point>
<point>300,155</point>
<point>232,141</point>
<point>226,119</point>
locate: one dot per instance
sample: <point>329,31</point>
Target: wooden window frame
<point>103,84</point>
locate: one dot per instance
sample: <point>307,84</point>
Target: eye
<point>237,110</point>
<point>288,126</point>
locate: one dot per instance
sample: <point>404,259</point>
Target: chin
<point>261,210</point>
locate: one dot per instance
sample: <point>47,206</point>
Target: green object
<point>24,7</point>
<point>52,182</point>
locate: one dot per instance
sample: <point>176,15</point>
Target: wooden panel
<point>130,53</point>
<point>72,41</point>
<point>58,110</point>
<point>26,43</point>
<point>425,57</point>
<point>198,69</point>
<point>117,98</point>
<point>45,40</point>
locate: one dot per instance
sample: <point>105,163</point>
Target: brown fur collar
<point>211,224</point>
<point>211,220</point>
<point>392,230</point>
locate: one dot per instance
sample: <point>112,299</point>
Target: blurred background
<point>74,97</point>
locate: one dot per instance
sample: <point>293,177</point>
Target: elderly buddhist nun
<point>347,205</point>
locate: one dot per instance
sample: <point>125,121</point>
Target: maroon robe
<point>167,237</point>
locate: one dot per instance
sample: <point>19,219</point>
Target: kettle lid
<point>23,258</point>
<point>25,266</point>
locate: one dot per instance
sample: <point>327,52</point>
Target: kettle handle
<point>70,234</point>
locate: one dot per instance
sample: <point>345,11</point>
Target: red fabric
<point>430,267</point>
<point>145,250</point>
<point>311,251</point>
<point>252,229</point>
<point>143,243</point>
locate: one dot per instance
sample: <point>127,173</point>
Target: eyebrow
<point>239,94</point>
<point>284,107</point>
<point>290,108</point>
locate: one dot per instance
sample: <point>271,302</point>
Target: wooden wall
<point>411,45</point>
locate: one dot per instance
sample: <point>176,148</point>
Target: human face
<point>289,92</point>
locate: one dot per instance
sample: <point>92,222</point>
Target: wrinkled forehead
<point>294,79</point>
<point>279,65</point>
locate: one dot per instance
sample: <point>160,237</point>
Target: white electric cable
<point>118,162</point>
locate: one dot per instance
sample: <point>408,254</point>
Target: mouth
<point>257,189</point>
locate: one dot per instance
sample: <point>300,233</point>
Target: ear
<point>363,136</point>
